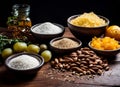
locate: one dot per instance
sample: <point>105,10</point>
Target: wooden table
<point>48,77</point>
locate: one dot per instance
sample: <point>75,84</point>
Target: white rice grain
<point>23,62</point>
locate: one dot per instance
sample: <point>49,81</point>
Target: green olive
<point>20,46</point>
<point>47,55</point>
<point>6,52</point>
<point>32,48</point>
<point>43,47</point>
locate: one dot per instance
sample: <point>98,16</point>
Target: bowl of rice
<point>87,25</point>
<point>24,63</point>
<point>47,30</point>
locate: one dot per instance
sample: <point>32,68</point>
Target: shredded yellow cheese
<point>88,20</point>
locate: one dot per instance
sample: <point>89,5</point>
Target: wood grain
<point>48,77</point>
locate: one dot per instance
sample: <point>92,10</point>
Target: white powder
<point>23,62</point>
<point>47,28</point>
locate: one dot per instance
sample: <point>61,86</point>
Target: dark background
<point>59,10</point>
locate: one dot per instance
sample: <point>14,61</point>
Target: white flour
<point>47,28</point>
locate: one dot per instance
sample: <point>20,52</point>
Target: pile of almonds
<point>84,62</point>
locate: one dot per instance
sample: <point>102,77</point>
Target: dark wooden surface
<point>48,77</point>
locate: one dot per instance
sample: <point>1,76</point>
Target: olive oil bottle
<point>20,23</point>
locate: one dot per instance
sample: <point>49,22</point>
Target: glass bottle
<point>19,23</point>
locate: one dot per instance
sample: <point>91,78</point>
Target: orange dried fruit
<point>105,43</point>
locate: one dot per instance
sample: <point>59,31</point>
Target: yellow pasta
<point>88,20</point>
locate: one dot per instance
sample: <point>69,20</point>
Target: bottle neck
<point>24,15</point>
<point>21,10</point>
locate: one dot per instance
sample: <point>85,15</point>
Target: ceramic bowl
<point>105,53</point>
<point>86,33</point>
<point>27,71</point>
<point>46,37</point>
<point>60,51</point>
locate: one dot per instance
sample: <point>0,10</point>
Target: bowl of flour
<point>46,31</point>
<point>24,63</point>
